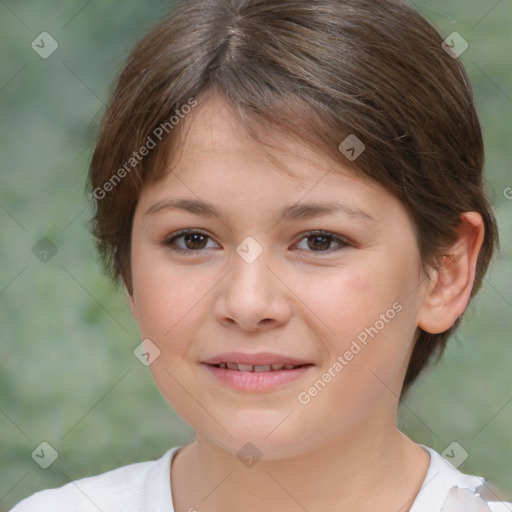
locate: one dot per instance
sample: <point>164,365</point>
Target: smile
<point>250,378</point>
<point>257,368</point>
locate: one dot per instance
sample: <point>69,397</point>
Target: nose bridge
<point>252,296</point>
<point>250,278</point>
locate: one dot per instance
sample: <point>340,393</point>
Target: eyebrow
<point>292,212</point>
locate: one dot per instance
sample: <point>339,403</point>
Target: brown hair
<point>322,70</point>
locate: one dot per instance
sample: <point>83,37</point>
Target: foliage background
<point>68,375</point>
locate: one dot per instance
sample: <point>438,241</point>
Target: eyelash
<point>171,242</point>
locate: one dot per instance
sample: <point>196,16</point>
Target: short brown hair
<point>320,69</point>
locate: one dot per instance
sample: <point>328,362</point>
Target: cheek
<point>168,301</point>
<point>348,300</point>
<point>163,295</point>
<point>367,316</point>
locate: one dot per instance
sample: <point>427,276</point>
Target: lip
<point>259,358</point>
<point>253,382</point>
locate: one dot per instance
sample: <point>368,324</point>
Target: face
<point>291,263</point>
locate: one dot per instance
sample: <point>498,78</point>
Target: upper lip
<point>261,358</point>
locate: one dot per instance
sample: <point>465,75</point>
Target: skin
<point>342,450</point>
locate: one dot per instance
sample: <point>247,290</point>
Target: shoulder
<point>446,489</point>
<point>123,489</point>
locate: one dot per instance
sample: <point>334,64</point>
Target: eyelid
<point>170,240</point>
<point>342,242</point>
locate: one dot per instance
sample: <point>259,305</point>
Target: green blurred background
<point>68,375</point>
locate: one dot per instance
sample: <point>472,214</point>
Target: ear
<point>131,303</point>
<point>450,286</point>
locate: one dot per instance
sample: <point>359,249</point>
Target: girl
<point>292,194</point>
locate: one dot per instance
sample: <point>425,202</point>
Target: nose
<point>252,297</point>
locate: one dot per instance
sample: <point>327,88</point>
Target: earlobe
<point>450,287</point>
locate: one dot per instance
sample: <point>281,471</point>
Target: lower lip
<point>256,381</point>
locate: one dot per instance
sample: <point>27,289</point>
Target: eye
<point>320,241</point>
<point>189,241</point>
<point>192,240</point>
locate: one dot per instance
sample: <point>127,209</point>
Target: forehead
<point>215,131</point>
<point>213,138</point>
<point>223,166</point>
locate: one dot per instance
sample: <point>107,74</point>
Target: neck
<point>363,471</point>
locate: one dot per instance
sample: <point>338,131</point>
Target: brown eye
<point>322,242</point>
<point>195,241</point>
<point>319,242</point>
<point>187,241</point>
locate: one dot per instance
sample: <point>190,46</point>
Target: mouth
<point>257,367</point>
<point>255,372</point>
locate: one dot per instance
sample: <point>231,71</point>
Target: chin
<point>261,435</point>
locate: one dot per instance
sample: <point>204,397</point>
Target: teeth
<point>262,368</point>
<point>257,368</point>
<point>246,367</point>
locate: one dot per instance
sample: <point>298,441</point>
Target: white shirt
<point>145,487</point>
